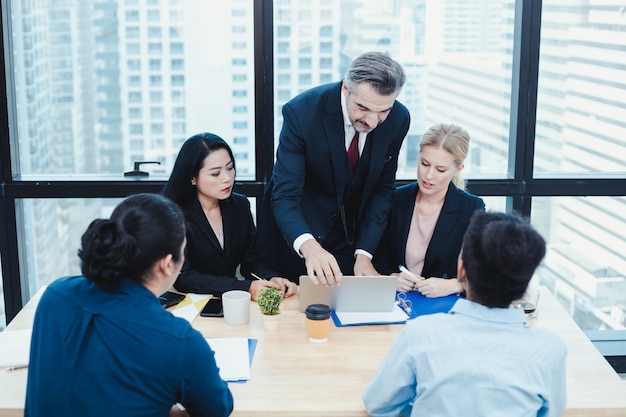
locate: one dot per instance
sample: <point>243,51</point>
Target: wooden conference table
<point>291,376</point>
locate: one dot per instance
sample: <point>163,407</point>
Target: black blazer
<point>306,191</point>
<point>210,269</point>
<point>444,247</point>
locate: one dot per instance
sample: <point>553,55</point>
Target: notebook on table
<point>366,294</point>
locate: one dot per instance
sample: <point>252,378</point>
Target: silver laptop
<point>355,294</point>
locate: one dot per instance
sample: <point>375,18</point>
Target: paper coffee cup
<point>318,322</point>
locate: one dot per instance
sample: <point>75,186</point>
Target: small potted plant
<point>269,302</point>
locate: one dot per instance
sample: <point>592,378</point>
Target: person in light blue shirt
<point>102,345</point>
<point>480,359</point>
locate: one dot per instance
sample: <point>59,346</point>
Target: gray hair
<point>378,69</point>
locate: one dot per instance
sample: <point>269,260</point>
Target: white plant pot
<point>270,323</point>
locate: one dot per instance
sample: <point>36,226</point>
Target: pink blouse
<point>420,233</point>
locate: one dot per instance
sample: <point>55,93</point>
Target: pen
<point>261,279</point>
<point>257,277</point>
<point>402,268</point>
<point>16,367</point>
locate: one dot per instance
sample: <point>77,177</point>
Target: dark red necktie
<point>353,152</point>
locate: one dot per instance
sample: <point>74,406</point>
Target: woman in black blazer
<point>429,217</point>
<point>220,228</point>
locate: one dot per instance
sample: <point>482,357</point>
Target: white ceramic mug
<point>236,304</point>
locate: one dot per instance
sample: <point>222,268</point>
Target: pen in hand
<point>403,268</point>
<point>257,277</point>
<point>262,279</point>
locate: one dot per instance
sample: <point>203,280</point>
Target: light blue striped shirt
<point>474,360</point>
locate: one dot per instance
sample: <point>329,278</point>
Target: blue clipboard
<point>421,305</point>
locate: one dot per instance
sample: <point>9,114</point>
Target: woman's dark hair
<point>188,163</point>
<point>500,252</point>
<point>142,229</point>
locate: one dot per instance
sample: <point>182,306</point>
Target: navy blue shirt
<point>100,351</point>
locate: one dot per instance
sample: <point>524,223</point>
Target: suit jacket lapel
<point>333,128</point>
<point>228,222</point>
<point>405,207</point>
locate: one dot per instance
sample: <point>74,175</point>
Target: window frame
<point>519,187</point>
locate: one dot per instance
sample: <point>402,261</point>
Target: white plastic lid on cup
<point>236,305</point>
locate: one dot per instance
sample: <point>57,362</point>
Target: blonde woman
<point>428,217</point>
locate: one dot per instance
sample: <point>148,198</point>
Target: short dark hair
<point>500,252</point>
<point>188,164</point>
<point>142,229</point>
<point>378,69</point>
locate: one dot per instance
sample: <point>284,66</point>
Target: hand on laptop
<point>321,265</point>
<point>363,266</point>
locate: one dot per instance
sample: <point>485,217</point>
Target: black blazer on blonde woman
<point>445,245</point>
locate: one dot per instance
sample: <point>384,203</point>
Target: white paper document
<point>188,312</point>
<point>232,357</point>
<point>197,297</point>
<point>353,318</point>
<point>190,307</point>
<point>14,347</point>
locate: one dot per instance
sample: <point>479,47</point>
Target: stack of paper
<point>14,347</point>
<point>396,316</point>
<point>233,356</point>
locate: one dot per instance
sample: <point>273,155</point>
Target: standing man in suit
<point>326,205</point>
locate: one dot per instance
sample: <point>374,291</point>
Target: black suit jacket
<point>445,245</point>
<point>210,269</point>
<point>306,191</point>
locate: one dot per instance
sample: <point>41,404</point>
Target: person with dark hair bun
<point>480,358</point>
<point>102,344</point>
<point>221,232</point>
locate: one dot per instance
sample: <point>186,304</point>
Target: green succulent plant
<point>269,301</point>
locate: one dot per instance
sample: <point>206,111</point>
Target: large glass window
<point>585,263</point>
<point>91,89</point>
<point>51,234</point>
<point>457,56</point>
<point>84,80</point>
<point>581,109</point>
<point>74,89</point>
<point>581,131</point>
